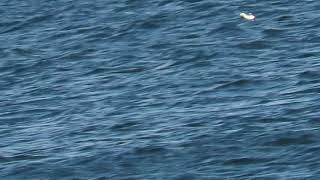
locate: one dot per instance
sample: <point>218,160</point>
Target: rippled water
<point>130,89</point>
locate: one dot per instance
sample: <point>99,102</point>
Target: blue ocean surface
<point>159,89</point>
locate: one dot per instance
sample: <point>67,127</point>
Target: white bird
<point>250,16</point>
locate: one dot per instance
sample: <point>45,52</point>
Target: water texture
<point>159,89</point>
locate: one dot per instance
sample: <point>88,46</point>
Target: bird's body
<point>250,16</point>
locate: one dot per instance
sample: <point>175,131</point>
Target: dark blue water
<point>159,89</point>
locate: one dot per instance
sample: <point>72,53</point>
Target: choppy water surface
<point>159,89</point>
